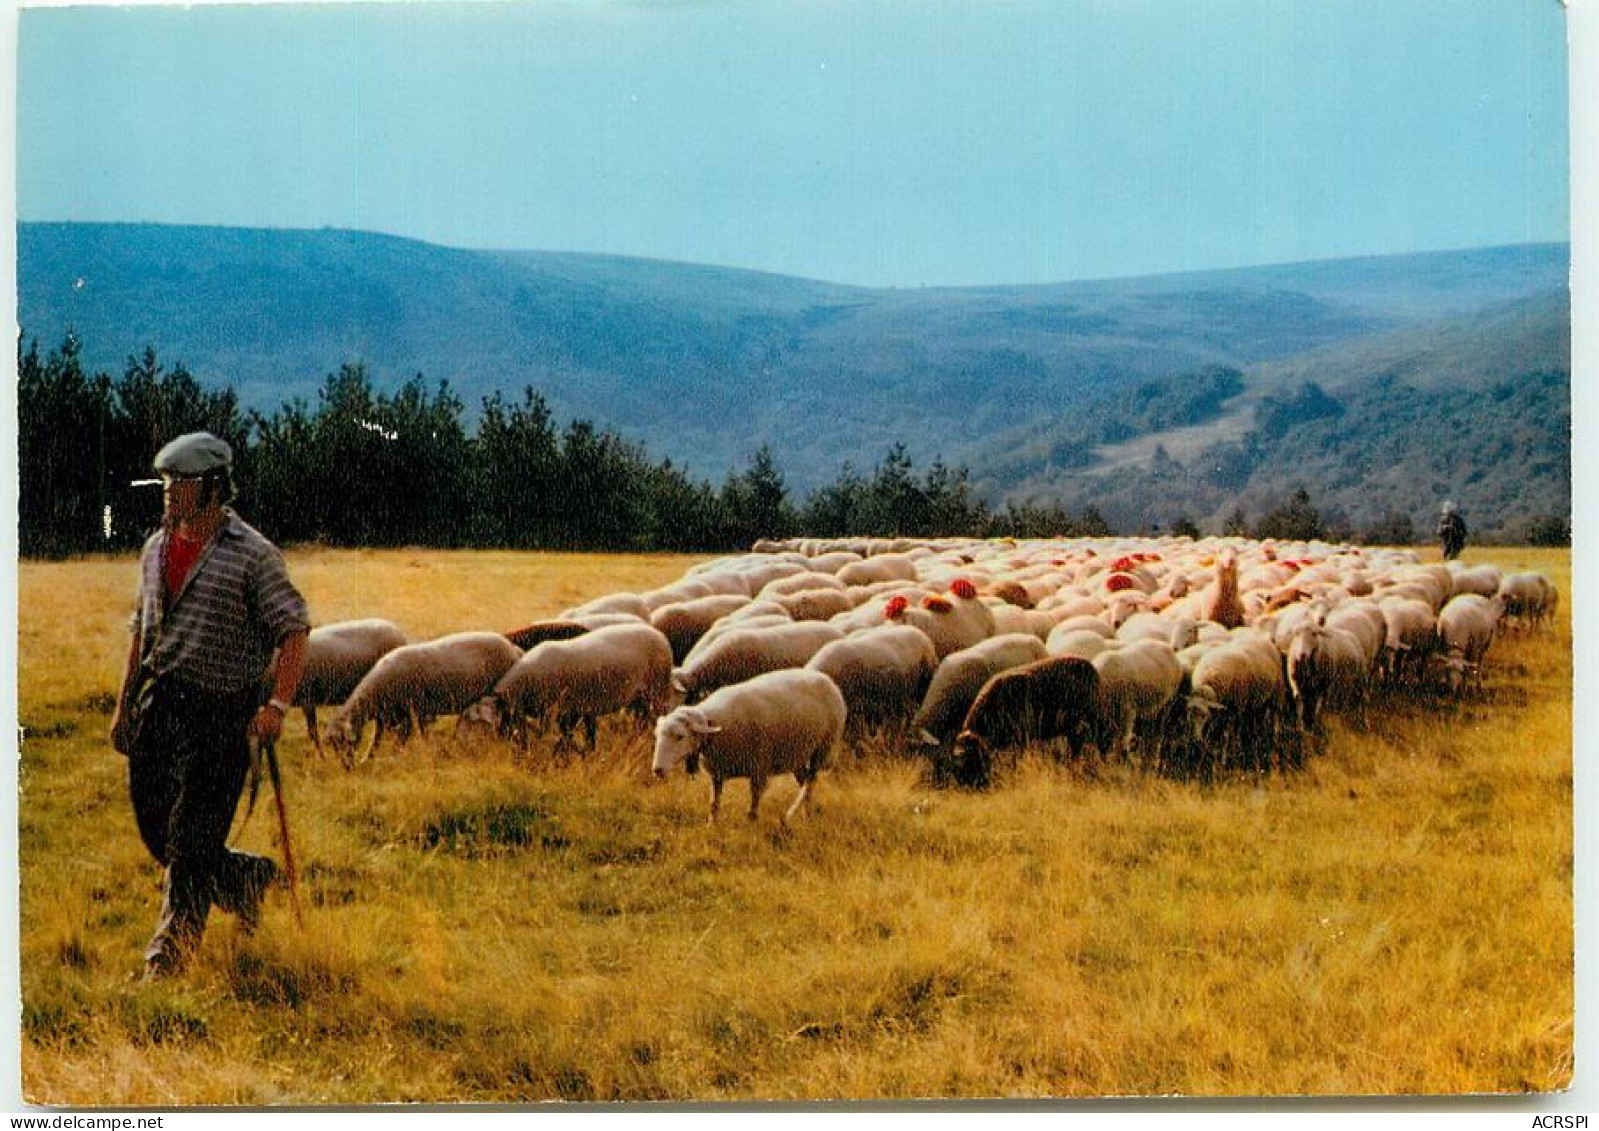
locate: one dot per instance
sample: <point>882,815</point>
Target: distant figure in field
<point>1451,531</point>
<point>214,602</point>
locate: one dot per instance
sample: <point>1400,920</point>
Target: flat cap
<point>194,453</point>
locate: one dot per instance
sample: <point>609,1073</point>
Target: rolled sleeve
<point>279,604</point>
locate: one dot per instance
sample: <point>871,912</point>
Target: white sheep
<point>412,685</point>
<point>684,622</point>
<point>337,658</point>
<point>1466,627</point>
<point>952,621</point>
<point>883,672</point>
<point>620,668</point>
<point>816,604</point>
<point>1412,636</point>
<point>1362,619</point>
<point>1083,643</point>
<point>630,603</point>
<point>798,583</point>
<point>1325,665</point>
<point>743,653</point>
<point>961,675</point>
<point>883,567</point>
<point>1177,631</point>
<point>1528,597</point>
<point>1483,580</point>
<point>1137,683</point>
<point>1238,698</point>
<point>783,722</point>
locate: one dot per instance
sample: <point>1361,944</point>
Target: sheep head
<point>678,736</point>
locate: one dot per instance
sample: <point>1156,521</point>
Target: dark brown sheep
<point>1056,697</point>
<point>540,631</point>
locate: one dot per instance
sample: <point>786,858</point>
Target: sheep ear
<point>677,683</point>
<point>697,723</point>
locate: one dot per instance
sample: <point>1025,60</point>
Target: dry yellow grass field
<point>1395,919</point>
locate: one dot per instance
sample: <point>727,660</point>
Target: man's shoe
<point>159,969</point>
<point>263,874</point>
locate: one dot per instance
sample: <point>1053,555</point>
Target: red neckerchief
<point>182,553</point>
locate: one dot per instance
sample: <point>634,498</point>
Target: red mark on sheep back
<point>963,589</point>
<point>1122,565</point>
<point>1116,582</point>
<point>936,604</point>
<point>895,607</point>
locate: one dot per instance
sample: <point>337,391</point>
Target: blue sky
<point>897,143</point>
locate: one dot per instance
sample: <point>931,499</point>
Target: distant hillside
<point>705,364</point>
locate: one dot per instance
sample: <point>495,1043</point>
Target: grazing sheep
<point>816,604</point>
<point>729,624</point>
<point>630,603</point>
<point>1178,631</point>
<point>1056,697</point>
<point>412,685</point>
<point>743,653</point>
<point>1466,627</point>
<point>1083,643</point>
<point>1412,637</point>
<point>1363,620</point>
<point>783,722</point>
<point>952,622</point>
<point>1528,597</point>
<point>1483,580</point>
<point>833,561</point>
<point>1013,618</point>
<point>1238,699</point>
<point>623,667</point>
<point>684,622</point>
<point>799,583</point>
<point>539,631</point>
<point>1324,665</point>
<point>1083,622</point>
<point>883,672</point>
<point>961,675</point>
<point>883,567</point>
<point>681,590</point>
<point>337,658</point>
<point>1137,683</point>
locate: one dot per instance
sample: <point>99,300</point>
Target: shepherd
<point>215,601</point>
<point>1451,531</point>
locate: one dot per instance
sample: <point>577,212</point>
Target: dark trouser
<point>185,775</point>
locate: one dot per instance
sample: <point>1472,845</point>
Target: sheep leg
<point>309,711</point>
<point>716,796</point>
<point>757,787</point>
<point>804,794</point>
<point>591,728</point>
<point>371,747</point>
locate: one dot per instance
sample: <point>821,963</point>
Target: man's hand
<point>121,731</point>
<point>267,724</point>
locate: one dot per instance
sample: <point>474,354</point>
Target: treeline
<point>360,467</point>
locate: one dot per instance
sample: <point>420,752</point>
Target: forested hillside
<point>1145,399</point>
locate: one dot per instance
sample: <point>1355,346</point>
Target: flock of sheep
<point>1195,657</point>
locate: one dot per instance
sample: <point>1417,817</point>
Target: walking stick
<point>269,753</point>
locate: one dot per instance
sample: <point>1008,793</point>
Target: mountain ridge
<point>704,364</point>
